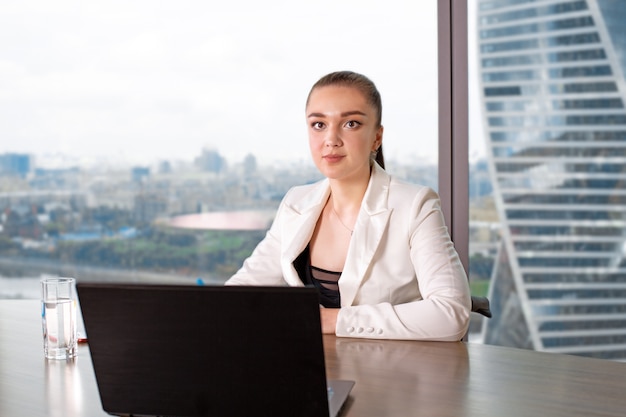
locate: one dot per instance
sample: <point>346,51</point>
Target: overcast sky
<point>141,81</point>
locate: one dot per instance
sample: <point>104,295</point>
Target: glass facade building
<point>553,90</point>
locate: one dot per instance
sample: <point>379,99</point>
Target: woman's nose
<point>333,138</point>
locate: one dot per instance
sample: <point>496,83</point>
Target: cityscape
<point>118,218</point>
<point>147,223</point>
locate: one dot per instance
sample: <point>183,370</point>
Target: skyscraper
<point>15,164</point>
<point>553,92</point>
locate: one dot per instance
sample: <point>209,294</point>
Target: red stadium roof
<point>224,220</point>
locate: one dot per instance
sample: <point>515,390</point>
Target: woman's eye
<point>317,125</point>
<point>352,124</point>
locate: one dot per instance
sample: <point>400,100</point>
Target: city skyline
<point>60,162</point>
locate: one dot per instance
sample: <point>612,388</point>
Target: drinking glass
<point>58,313</point>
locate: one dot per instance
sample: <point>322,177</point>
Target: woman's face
<point>342,132</point>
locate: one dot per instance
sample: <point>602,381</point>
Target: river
<point>19,278</point>
<point>19,288</point>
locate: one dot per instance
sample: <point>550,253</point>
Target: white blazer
<point>402,278</point>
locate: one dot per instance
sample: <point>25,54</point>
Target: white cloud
<point>144,80</point>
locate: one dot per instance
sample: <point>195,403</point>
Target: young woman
<point>377,248</point>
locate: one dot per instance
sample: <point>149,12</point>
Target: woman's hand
<point>329,319</point>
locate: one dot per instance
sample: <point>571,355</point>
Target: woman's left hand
<point>329,319</point>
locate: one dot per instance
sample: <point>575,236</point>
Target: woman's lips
<point>333,157</point>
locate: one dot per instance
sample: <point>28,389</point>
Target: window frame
<point>453,168</point>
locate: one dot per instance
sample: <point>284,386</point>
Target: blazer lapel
<point>300,218</point>
<point>368,231</point>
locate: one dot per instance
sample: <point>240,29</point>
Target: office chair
<point>480,305</point>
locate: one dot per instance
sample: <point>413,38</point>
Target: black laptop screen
<point>207,350</point>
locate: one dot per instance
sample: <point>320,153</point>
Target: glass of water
<point>58,313</point>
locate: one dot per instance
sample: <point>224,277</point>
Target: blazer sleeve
<point>440,308</point>
<point>263,266</point>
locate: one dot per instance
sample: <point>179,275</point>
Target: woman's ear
<point>379,139</point>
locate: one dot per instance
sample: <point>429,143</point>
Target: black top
<point>325,281</point>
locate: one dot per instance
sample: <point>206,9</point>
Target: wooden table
<point>393,378</point>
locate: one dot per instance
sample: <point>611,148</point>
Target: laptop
<point>182,350</point>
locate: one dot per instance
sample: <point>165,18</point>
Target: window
<point>547,189</point>
<point>132,126</point>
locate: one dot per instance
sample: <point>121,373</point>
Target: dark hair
<point>365,86</point>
